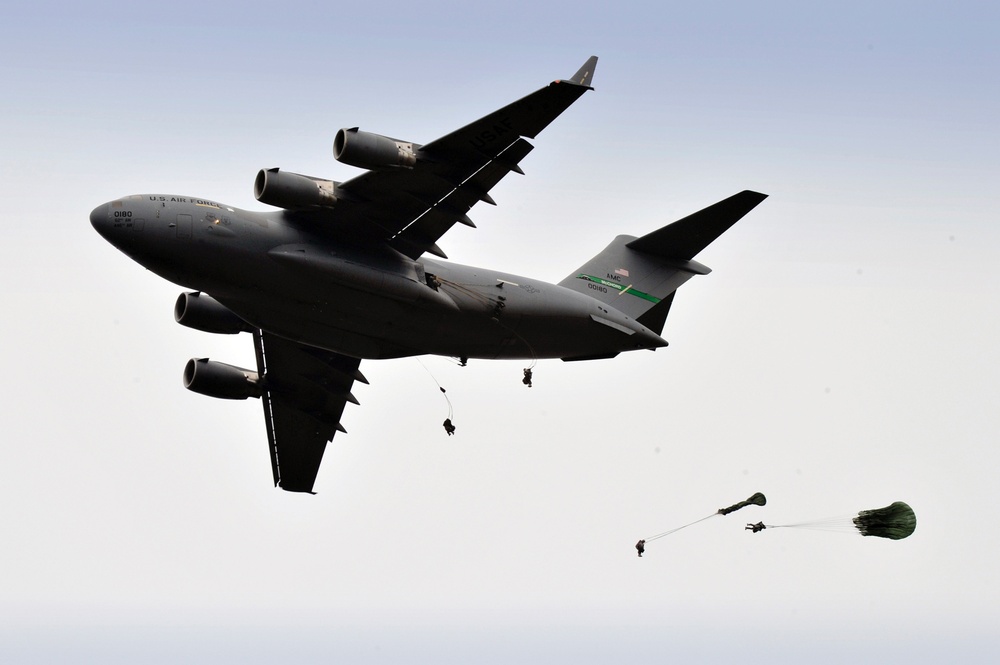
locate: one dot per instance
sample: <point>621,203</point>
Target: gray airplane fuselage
<point>355,299</point>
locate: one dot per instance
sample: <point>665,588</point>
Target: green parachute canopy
<point>895,521</point>
<point>756,500</point>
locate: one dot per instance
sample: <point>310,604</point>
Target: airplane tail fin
<point>639,276</point>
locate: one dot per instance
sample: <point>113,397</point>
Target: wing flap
<point>423,233</point>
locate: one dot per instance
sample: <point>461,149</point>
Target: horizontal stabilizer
<point>686,237</point>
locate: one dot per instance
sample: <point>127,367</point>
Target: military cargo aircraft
<point>339,272</point>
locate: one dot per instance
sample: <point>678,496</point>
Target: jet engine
<point>216,379</point>
<point>293,191</point>
<point>371,151</point>
<point>205,313</point>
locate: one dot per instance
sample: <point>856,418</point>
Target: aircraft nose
<point>99,219</point>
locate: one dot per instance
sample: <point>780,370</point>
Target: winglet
<point>585,75</point>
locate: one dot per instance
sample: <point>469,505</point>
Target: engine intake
<point>371,151</point>
<point>203,312</point>
<point>220,380</point>
<point>292,190</point>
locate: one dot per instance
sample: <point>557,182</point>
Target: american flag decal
<point>622,272</point>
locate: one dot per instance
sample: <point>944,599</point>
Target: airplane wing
<point>305,391</point>
<point>410,208</point>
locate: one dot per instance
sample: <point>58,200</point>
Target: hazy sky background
<point>841,356</point>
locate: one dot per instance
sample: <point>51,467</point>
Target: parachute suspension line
<point>440,387</point>
<point>528,372</point>
<point>667,533</point>
<point>451,410</point>
<point>481,298</point>
<point>831,526</point>
<point>448,426</point>
<point>841,523</point>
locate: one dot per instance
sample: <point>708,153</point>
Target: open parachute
<point>896,521</point>
<point>757,499</point>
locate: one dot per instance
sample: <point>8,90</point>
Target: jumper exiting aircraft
<point>339,273</point>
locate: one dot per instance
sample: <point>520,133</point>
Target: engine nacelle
<point>205,313</point>
<point>292,190</point>
<point>216,379</point>
<point>372,151</point>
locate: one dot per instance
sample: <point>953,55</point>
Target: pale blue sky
<point>840,356</point>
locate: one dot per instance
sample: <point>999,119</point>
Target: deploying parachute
<point>896,521</point>
<point>757,499</point>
